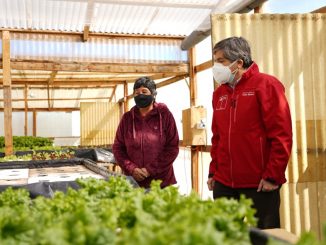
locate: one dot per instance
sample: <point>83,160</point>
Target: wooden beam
<point>83,75</point>
<point>66,87</point>
<point>42,109</point>
<point>113,92</point>
<point>194,168</point>
<point>47,65</point>
<point>52,99</point>
<point>26,111</point>
<point>187,82</point>
<point>88,19</point>
<point>6,66</point>
<point>7,93</point>
<point>193,102</point>
<point>104,35</point>
<point>34,122</point>
<point>52,77</point>
<point>204,66</point>
<point>160,85</point>
<point>125,98</point>
<point>67,80</point>
<point>49,86</point>
<point>79,83</point>
<point>192,77</point>
<point>320,10</point>
<point>8,120</point>
<point>116,79</point>
<point>170,81</point>
<point>48,94</point>
<point>86,33</point>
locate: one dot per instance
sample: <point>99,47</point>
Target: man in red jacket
<point>147,141</point>
<point>252,132</point>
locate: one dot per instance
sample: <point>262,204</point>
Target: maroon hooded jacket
<point>252,131</point>
<point>150,142</point>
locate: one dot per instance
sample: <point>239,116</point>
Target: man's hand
<point>266,186</point>
<point>210,184</point>
<point>139,174</point>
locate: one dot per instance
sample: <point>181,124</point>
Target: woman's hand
<point>139,174</point>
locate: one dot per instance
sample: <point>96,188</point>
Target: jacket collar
<point>252,70</point>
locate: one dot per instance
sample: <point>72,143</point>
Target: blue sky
<point>293,6</point>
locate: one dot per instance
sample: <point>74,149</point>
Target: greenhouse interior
<point>111,131</point>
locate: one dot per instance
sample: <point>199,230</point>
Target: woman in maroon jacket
<point>147,141</point>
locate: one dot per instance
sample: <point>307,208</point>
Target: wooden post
<point>7,92</point>
<point>34,122</point>
<point>192,77</point>
<point>48,95</point>
<point>49,85</point>
<point>194,168</point>
<point>193,102</point>
<point>125,96</point>
<point>26,110</point>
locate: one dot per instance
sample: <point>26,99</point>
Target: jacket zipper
<point>230,156</point>
<point>141,143</point>
<point>235,103</point>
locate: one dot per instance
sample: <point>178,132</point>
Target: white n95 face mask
<point>222,74</point>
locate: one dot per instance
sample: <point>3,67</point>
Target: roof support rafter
<point>159,85</point>
<point>46,65</point>
<point>88,20</point>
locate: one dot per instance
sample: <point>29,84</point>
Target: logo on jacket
<point>248,93</point>
<point>221,103</point>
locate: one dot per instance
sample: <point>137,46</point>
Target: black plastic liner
<point>48,188</point>
<point>95,154</point>
<point>45,189</point>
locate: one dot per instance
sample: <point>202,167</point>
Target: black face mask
<point>143,100</point>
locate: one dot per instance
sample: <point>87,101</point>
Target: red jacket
<point>252,132</point>
<point>151,142</point>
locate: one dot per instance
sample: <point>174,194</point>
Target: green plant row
<point>40,156</point>
<point>113,212</point>
<point>29,142</point>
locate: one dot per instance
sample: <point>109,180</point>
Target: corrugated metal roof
<point>172,17</point>
<point>137,18</point>
<point>96,49</point>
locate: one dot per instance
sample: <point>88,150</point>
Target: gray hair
<point>235,48</point>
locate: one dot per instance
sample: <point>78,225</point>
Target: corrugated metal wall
<point>99,122</point>
<point>293,48</point>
